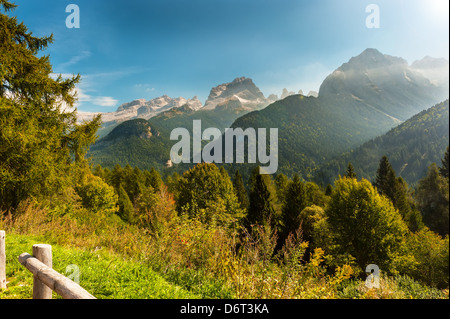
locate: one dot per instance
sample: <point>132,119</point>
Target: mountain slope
<point>385,83</point>
<point>226,102</point>
<point>140,109</point>
<point>133,142</point>
<point>411,147</point>
<point>364,98</point>
<point>146,143</point>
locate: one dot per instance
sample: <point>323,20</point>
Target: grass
<point>104,274</point>
<point>186,260</point>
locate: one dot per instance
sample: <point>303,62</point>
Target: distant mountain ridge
<point>385,83</point>
<point>364,98</point>
<point>234,98</point>
<point>410,147</point>
<point>241,90</point>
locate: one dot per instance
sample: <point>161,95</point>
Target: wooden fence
<point>45,278</point>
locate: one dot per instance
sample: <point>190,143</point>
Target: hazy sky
<point>133,49</point>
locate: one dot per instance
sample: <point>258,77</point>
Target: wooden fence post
<point>62,285</point>
<point>42,253</point>
<point>2,260</point>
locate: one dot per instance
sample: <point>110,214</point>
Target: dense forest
<point>204,230</point>
<point>411,147</point>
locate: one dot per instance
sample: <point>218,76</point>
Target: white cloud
<point>74,60</point>
<point>105,101</point>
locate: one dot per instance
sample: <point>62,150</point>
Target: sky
<point>127,50</point>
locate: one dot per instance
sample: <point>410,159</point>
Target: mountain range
<point>363,99</point>
<point>228,99</point>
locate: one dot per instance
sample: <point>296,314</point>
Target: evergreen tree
<point>117,177</point>
<point>350,173</point>
<point>240,190</point>
<point>100,172</point>
<point>153,179</point>
<point>48,154</point>
<point>296,201</point>
<point>329,190</point>
<point>397,191</point>
<point>443,170</point>
<point>404,204</point>
<point>263,200</point>
<point>126,210</point>
<point>433,201</point>
<point>385,179</point>
<point>281,183</point>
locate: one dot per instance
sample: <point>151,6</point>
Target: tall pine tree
<point>350,173</point>
<point>385,179</point>
<point>47,156</point>
<point>240,190</point>
<point>397,190</point>
<point>296,201</point>
<point>126,209</point>
<point>443,170</point>
<point>433,201</point>
<point>263,200</point>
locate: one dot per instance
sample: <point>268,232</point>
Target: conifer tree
<point>240,190</point>
<point>153,179</point>
<point>433,201</point>
<point>443,170</point>
<point>296,201</point>
<point>263,200</point>
<point>350,173</point>
<point>282,183</point>
<point>328,190</point>
<point>397,191</point>
<point>126,209</point>
<point>385,179</point>
<point>48,154</point>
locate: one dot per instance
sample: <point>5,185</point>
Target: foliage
<point>350,173</point>
<point>431,258</point>
<point>397,190</point>
<point>191,237</point>
<point>207,194</point>
<point>156,211</point>
<point>39,137</point>
<point>96,195</point>
<point>444,169</point>
<point>126,209</point>
<point>433,200</point>
<point>295,202</point>
<point>240,190</point>
<point>411,147</point>
<point>264,205</point>
<point>364,224</point>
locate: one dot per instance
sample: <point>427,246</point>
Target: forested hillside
<point>411,148</point>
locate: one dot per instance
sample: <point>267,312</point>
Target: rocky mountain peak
<point>370,59</point>
<point>241,88</point>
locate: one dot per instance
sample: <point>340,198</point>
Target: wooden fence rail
<point>45,279</point>
<point>2,260</point>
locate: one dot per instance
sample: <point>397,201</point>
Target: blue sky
<point>133,49</point>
